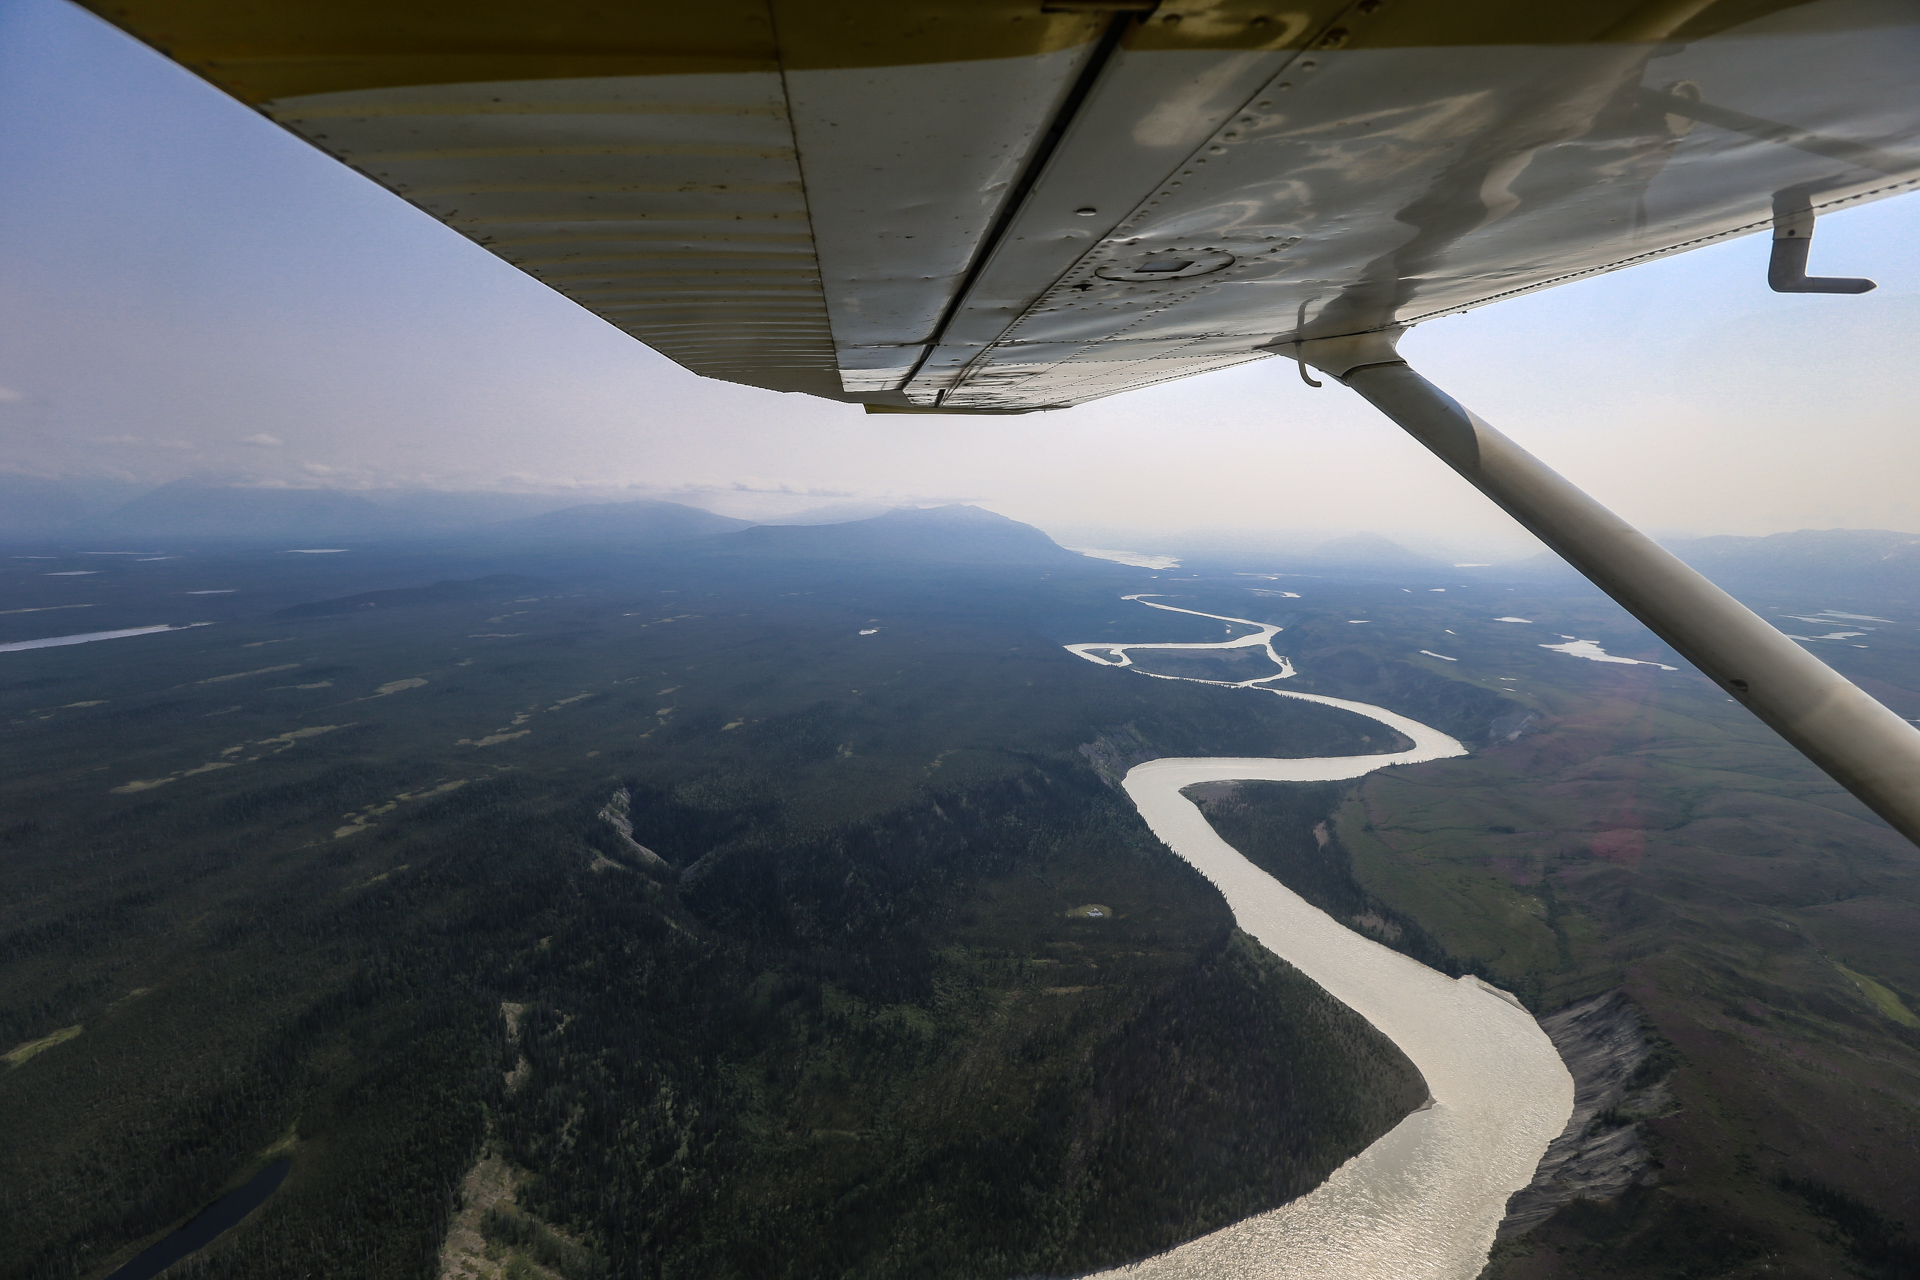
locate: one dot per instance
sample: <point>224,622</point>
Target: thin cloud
<point>529,480</point>
<point>141,442</point>
<point>9,396</point>
<point>771,488</point>
<point>262,439</point>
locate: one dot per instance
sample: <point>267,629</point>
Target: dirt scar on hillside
<point>1424,1200</point>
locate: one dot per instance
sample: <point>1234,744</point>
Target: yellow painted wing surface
<point>999,207</point>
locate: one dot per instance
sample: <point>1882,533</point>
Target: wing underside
<point>999,207</point>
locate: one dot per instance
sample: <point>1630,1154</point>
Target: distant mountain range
<point>644,522</point>
<point>1370,551</point>
<point>1878,564</point>
<point>32,506</point>
<point>951,534</point>
<point>1874,564</point>
<point>35,508</point>
<point>1869,563</point>
<point>832,513</point>
<point>1359,555</point>
<point>200,511</point>
<point>188,510</point>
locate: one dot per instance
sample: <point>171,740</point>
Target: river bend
<point>1424,1200</point>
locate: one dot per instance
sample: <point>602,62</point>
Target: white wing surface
<point>998,207</point>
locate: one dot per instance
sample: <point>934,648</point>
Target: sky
<point>191,291</point>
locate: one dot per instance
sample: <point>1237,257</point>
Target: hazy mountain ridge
<point>1362,552</point>
<point>1856,562</point>
<point>1880,562</point>
<point>35,507</point>
<point>1877,564</point>
<point>952,534</point>
<point>833,513</point>
<point>643,520</point>
<point>187,509</point>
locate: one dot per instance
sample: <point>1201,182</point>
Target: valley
<point>279,873</point>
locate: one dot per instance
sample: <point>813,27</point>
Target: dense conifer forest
<point>833,1007</point>
<point>336,877</point>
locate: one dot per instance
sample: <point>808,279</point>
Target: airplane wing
<point>1006,205</point>
<point>998,206</point>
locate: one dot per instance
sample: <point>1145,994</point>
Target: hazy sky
<point>190,290</point>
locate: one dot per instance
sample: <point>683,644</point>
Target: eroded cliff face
<point>1619,1070</point>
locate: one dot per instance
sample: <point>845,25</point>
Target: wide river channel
<point>1424,1200</point>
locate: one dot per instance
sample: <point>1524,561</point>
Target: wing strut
<point>1861,744</point>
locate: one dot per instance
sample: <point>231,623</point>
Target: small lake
<point>220,1216</point>
<point>88,637</point>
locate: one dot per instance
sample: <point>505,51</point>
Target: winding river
<point>1425,1199</point>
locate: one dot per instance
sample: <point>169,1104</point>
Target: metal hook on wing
<point>1792,239</point>
<point>1300,319</point>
